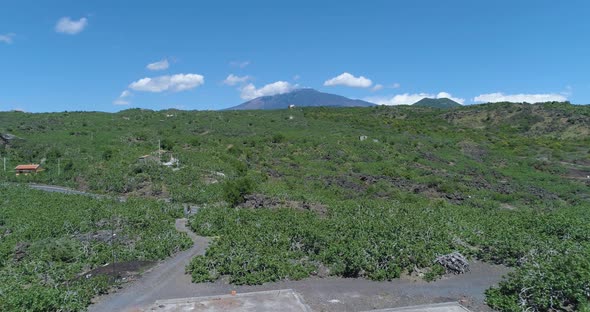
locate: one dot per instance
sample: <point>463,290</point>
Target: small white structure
<point>173,162</point>
<point>363,137</point>
<point>291,106</point>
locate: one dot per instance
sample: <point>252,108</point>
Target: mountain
<point>300,98</point>
<point>437,103</point>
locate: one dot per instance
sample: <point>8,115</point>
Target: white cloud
<point>441,95</point>
<point>407,98</point>
<point>7,38</point>
<point>377,87</point>
<point>240,64</point>
<point>233,80</point>
<point>346,79</point>
<point>249,91</point>
<point>159,65</point>
<point>120,101</point>
<point>395,85</point>
<point>175,83</point>
<point>568,91</point>
<point>68,26</point>
<point>519,98</point>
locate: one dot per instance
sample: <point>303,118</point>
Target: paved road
<point>65,190</point>
<point>58,189</point>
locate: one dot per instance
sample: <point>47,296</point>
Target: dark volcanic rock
<point>257,201</point>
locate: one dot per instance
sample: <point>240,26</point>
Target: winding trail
<point>166,280</point>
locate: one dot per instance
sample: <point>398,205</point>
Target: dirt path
<point>168,280</point>
<point>165,281</point>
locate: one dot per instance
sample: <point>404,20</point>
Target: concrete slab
<point>285,300</point>
<point>436,307</point>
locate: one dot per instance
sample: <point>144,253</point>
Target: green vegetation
<point>294,193</point>
<point>52,246</point>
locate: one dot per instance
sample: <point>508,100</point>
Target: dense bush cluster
<point>379,241</point>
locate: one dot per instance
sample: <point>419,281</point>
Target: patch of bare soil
<point>209,180</point>
<point>428,190</point>
<point>345,182</point>
<point>104,236</point>
<point>360,183</point>
<point>20,251</point>
<point>149,190</point>
<point>541,193</point>
<point>213,177</point>
<point>82,183</point>
<point>432,157</point>
<point>476,180</point>
<point>121,270</point>
<point>473,150</point>
<point>273,173</point>
<point>507,206</point>
<point>578,173</point>
<point>255,201</point>
<point>582,162</point>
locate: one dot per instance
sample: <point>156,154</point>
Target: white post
<point>58,166</point>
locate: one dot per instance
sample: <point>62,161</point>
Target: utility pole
<point>159,150</point>
<point>113,235</point>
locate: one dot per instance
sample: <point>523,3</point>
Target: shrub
<point>548,282</point>
<point>235,189</point>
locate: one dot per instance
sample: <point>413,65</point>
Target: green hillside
<point>437,103</point>
<point>370,192</point>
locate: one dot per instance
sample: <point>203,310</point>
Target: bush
<point>108,154</point>
<point>167,144</point>
<point>278,138</point>
<point>548,282</point>
<point>235,189</point>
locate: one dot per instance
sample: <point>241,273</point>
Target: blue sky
<point>94,55</point>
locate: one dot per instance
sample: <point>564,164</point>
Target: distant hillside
<point>559,120</point>
<point>300,98</point>
<point>437,103</point>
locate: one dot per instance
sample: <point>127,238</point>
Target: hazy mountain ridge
<point>301,98</point>
<point>437,103</point>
